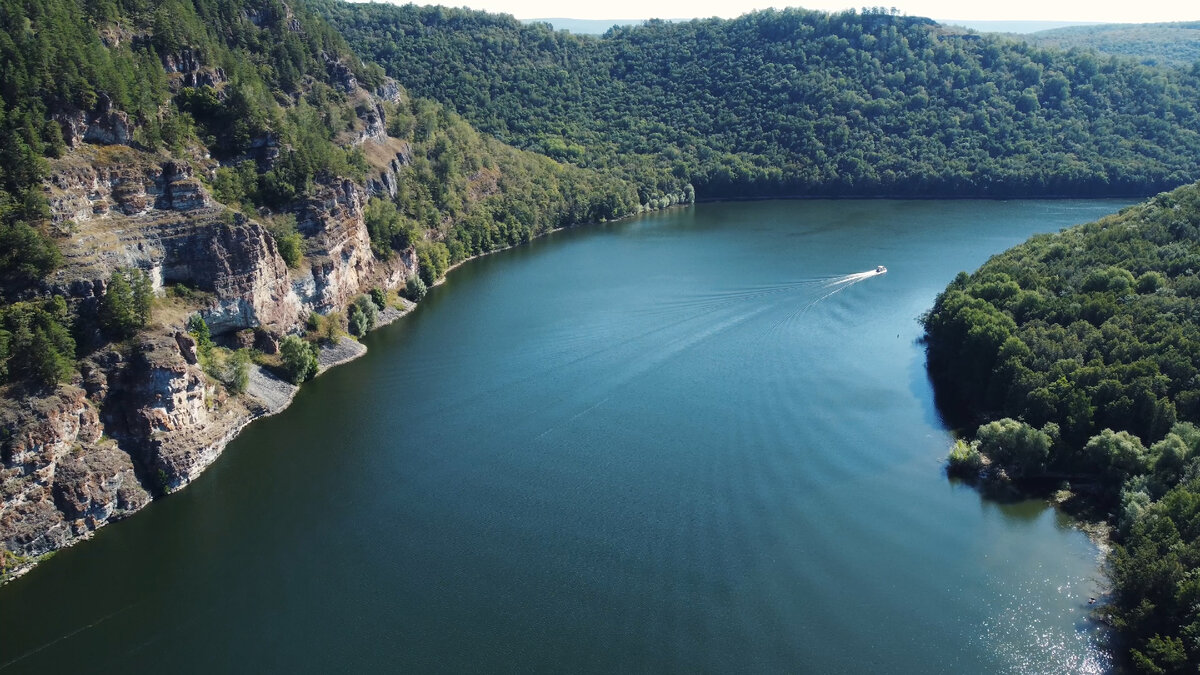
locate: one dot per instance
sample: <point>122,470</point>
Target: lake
<point>670,444</point>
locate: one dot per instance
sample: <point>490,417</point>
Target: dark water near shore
<point>638,447</point>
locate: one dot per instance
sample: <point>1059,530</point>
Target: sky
<point>1140,11</point>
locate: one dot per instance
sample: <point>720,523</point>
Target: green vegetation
<point>299,359</point>
<point>1084,348</point>
<point>35,342</point>
<point>274,78</point>
<point>798,103</point>
<point>289,241</point>
<point>465,194</point>
<point>415,289</point>
<point>126,304</point>
<point>227,366</point>
<point>362,315</point>
<point>379,297</point>
<point>1164,44</point>
<point>198,329</point>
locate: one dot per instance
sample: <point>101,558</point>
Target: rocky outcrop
<point>186,70</point>
<point>341,260</point>
<point>238,261</point>
<point>341,74</point>
<point>387,181</point>
<point>60,479</point>
<point>65,469</point>
<point>175,423</point>
<point>83,190</point>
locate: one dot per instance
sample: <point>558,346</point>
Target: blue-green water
<point>638,447</point>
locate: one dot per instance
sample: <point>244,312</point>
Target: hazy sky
<point>1137,11</point>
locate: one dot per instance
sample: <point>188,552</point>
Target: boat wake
<point>829,287</point>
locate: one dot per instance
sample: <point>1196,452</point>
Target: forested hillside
<point>798,102</point>
<point>272,95</point>
<point>1164,44</point>
<point>196,197</point>
<point>1080,353</point>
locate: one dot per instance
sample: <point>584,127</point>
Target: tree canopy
<point>1092,335</point>
<point>798,102</point>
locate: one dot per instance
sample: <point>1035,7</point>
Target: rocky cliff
<point>143,419</point>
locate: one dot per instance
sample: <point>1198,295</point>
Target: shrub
<point>361,316</point>
<point>433,259</point>
<point>299,359</point>
<point>415,289</point>
<point>379,297</point>
<point>1015,445</point>
<point>198,328</point>
<point>965,459</point>
<point>289,242</point>
<point>230,368</point>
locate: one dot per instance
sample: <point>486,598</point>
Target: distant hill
<point>796,102</point>
<point>1164,44</point>
<point>601,26</point>
<point>586,26</point>
<point>1015,26</point>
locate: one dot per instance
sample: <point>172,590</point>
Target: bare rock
<point>187,347</point>
<point>59,480</point>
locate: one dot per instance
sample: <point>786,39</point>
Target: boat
<point>880,270</point>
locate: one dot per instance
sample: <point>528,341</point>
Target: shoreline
<point>268,395</point>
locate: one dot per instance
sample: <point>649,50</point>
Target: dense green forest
<point>64,58</point>
<point>286,79</point>
<point>799,103</point>
<point>1164,44</point>
<point>1080,352</point>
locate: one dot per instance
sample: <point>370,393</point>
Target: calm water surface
<point>642,447</point>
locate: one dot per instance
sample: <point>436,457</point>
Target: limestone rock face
<point>341,74</point>
<point>190,71</point>
<point>387,181</point>
<point>240,263</point>
<point>341,258</point>
<point>175,422</point>
<point>109,128</point>
<point>60,479</point>
<point>65,468</point>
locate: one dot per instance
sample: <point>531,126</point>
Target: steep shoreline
<point>266,395</point>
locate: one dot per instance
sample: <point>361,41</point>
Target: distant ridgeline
<point>1163,44</point>
<point>799,103</point>
<point>1080,352</point>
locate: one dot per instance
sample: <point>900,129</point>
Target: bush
<point>198,328</point>
<point>415,289</point>
<point>433,259</point>
<point>326,328</point>
<point>379,297</point>
<point>965,459</point>
<point>288,240</point>
<point>230,368</point>
<point>299,359</point>
<point>361,316</point>
<point>1015,445</point>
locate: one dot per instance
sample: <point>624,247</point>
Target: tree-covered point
<point>1079,353</point>
<point>799,102</point>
